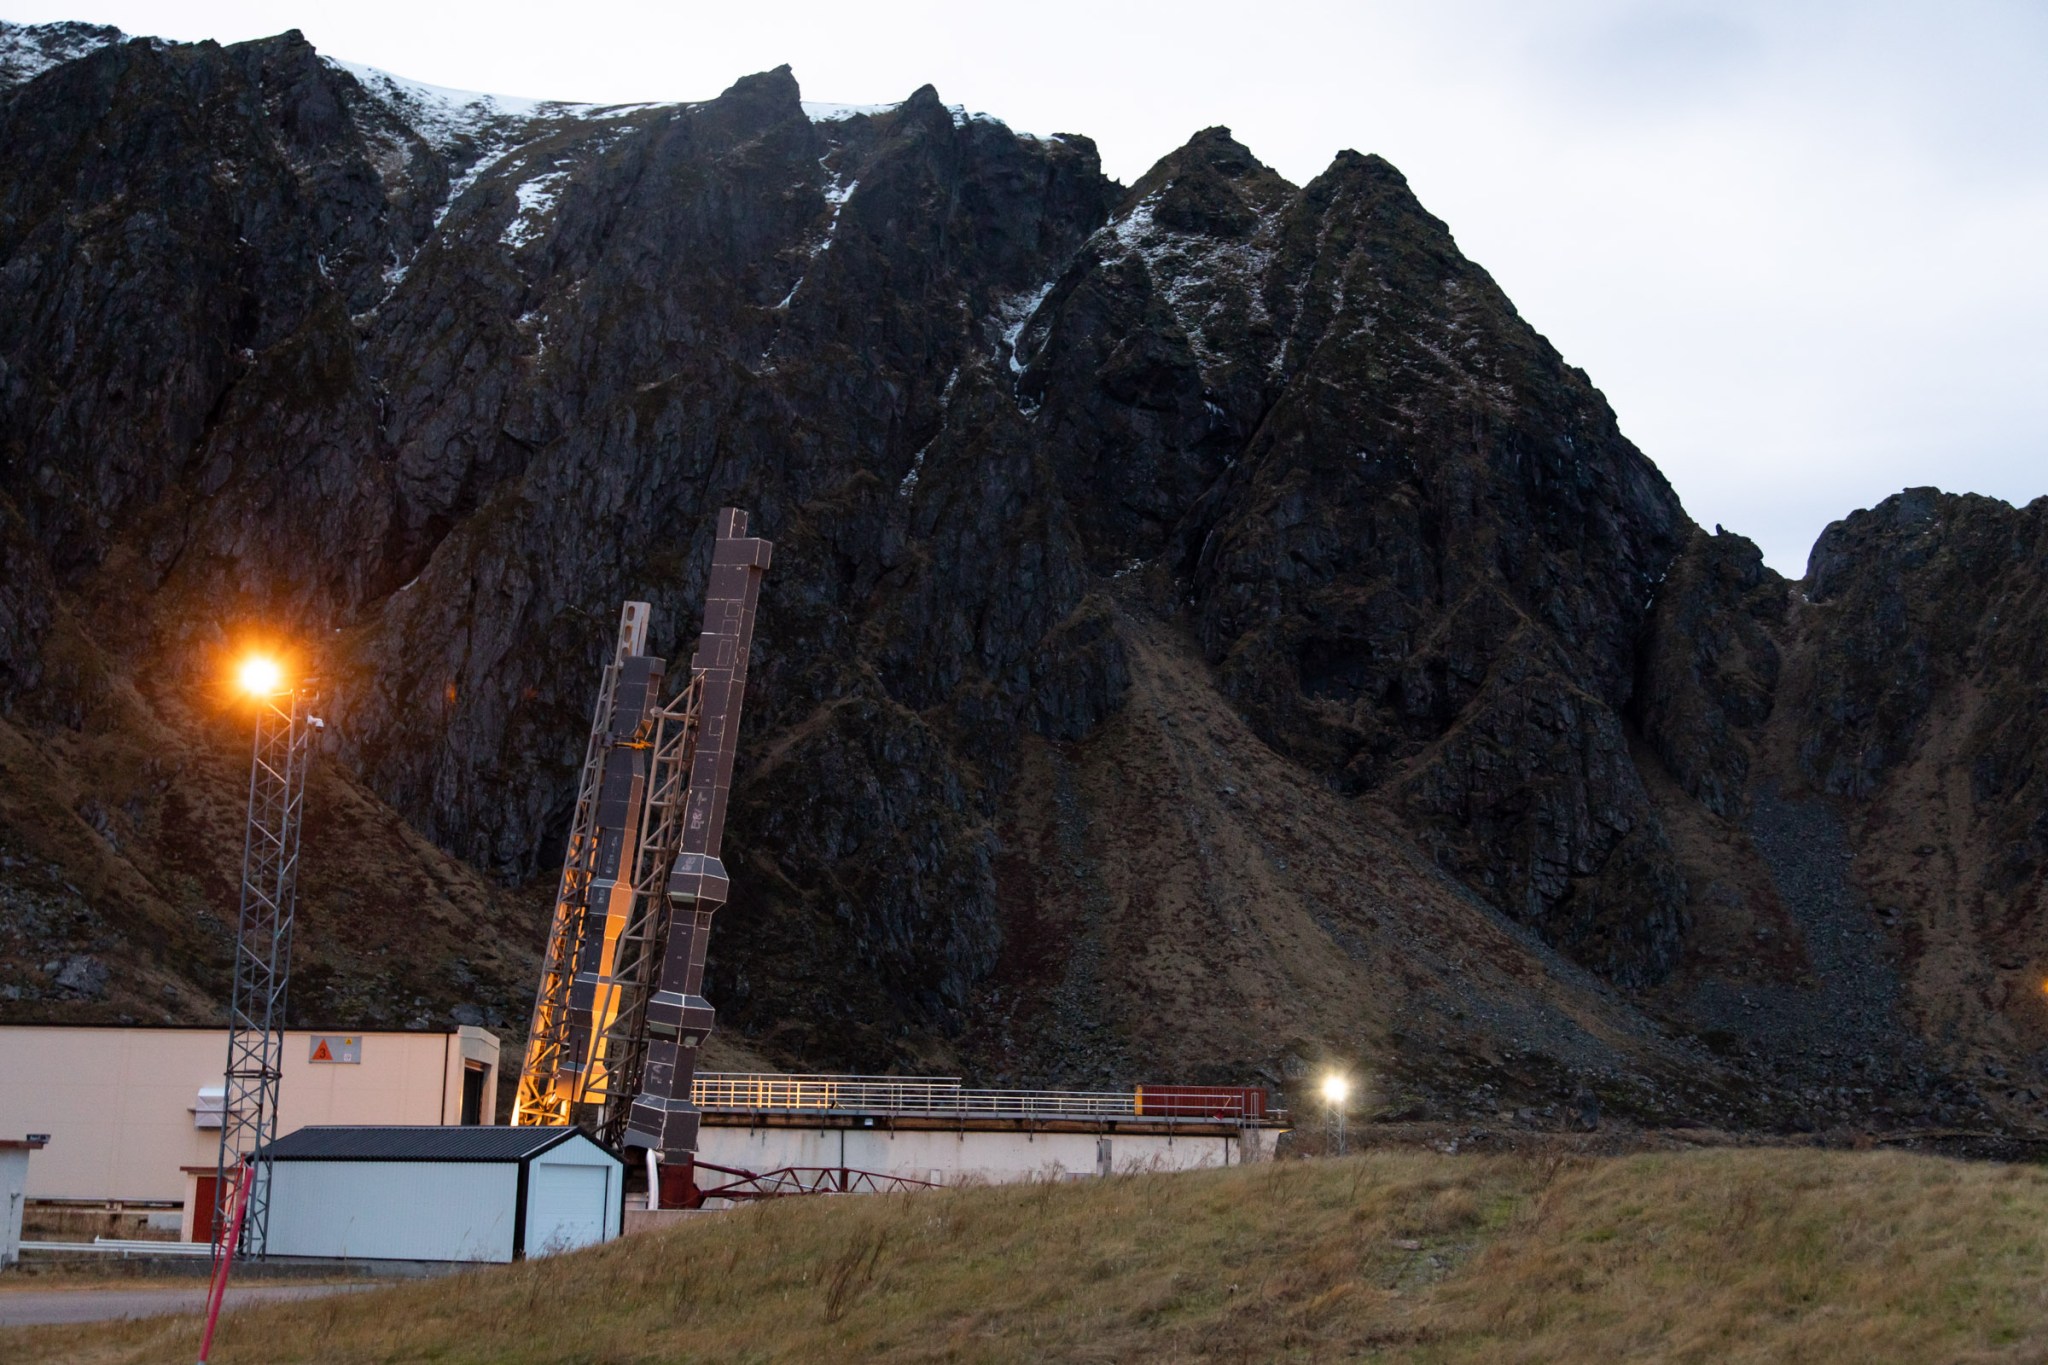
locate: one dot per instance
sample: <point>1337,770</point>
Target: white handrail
<point>110,1246</point>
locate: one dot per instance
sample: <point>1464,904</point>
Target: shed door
<point>564,1208</point>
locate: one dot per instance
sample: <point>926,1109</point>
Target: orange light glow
<point>259,676</point>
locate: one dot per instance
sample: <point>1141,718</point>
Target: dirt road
<point>40,1307</point>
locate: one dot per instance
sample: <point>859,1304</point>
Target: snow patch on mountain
<point>477,133</point>
<point>1013,315</point>
<point>457,123</point>
<point>1198,275</point>
<point>909,484</point>
<point>819,112</point>
<point>438,114</point>
<point>961,118</point>
<point>837,191</point>
<point>536,201</point>
<point>836,194</point>
<point>28,50</point>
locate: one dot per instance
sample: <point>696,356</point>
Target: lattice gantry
<point>619,994</point>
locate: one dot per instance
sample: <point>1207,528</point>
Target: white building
<point>441,1194</point>
<point>14,1153</point>
<point>133,1114</point>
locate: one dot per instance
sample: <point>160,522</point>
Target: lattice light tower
<point>263,948</point>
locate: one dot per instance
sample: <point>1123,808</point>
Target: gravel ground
<point>43,1307</point>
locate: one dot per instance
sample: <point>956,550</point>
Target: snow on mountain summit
<point>28,50</point>
<point>442,115</point>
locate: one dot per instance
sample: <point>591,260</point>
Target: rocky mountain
<point>1211,632</point>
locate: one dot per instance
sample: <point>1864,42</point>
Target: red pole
<point>217,1292</point>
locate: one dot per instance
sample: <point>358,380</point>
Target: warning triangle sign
<point>321,1054</point>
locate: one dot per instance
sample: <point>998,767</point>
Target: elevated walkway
<point>920,1103</point>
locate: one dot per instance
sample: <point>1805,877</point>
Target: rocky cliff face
<point>1210,628</point>
<point>1927,716</point>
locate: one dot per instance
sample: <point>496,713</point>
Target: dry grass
<point>1721,1256</point>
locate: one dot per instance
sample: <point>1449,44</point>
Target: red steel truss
<point>683,1187</point>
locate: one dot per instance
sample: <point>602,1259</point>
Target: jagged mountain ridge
<point>1115,527</point>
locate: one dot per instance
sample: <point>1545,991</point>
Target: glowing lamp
<point>1336,1089</point>
<point>260,677</point>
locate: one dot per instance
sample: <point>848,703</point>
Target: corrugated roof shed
<point>424,1143</point>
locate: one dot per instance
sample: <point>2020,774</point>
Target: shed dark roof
<point>423,1143</point>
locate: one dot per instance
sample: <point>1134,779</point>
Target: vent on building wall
<point>208,1110</point>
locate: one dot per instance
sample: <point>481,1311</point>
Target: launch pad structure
<point>619,1015</point>
<point>619,1018</point>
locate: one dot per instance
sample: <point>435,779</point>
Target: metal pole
<point>217,1290</point>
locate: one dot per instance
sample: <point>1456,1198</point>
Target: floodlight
<point>260,676</point>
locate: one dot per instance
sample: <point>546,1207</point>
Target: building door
<point>565,1207</point>
<point>202,1214</point>
<point>472,1093</point>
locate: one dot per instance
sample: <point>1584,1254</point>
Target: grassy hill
<point>1712,1256</point>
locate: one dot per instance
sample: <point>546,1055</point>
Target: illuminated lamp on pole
<point>1336,1093</point>
<point>278,760</point>
<point>260,676</point>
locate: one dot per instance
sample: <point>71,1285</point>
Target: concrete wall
<point>952,1158</point>
<point>117,1102</point>
<point>394,1210</point>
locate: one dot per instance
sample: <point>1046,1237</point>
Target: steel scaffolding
<point>617,1017</point>
<point>621,1048</point>
<point>553,1080</point>
<point>263,955</point>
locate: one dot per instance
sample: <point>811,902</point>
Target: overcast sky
<point>1801,245</point>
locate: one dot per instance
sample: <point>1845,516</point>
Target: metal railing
<point>742,1092</point>
<point>119,1247</point>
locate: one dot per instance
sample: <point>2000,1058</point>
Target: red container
<point>1201,1102</point>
